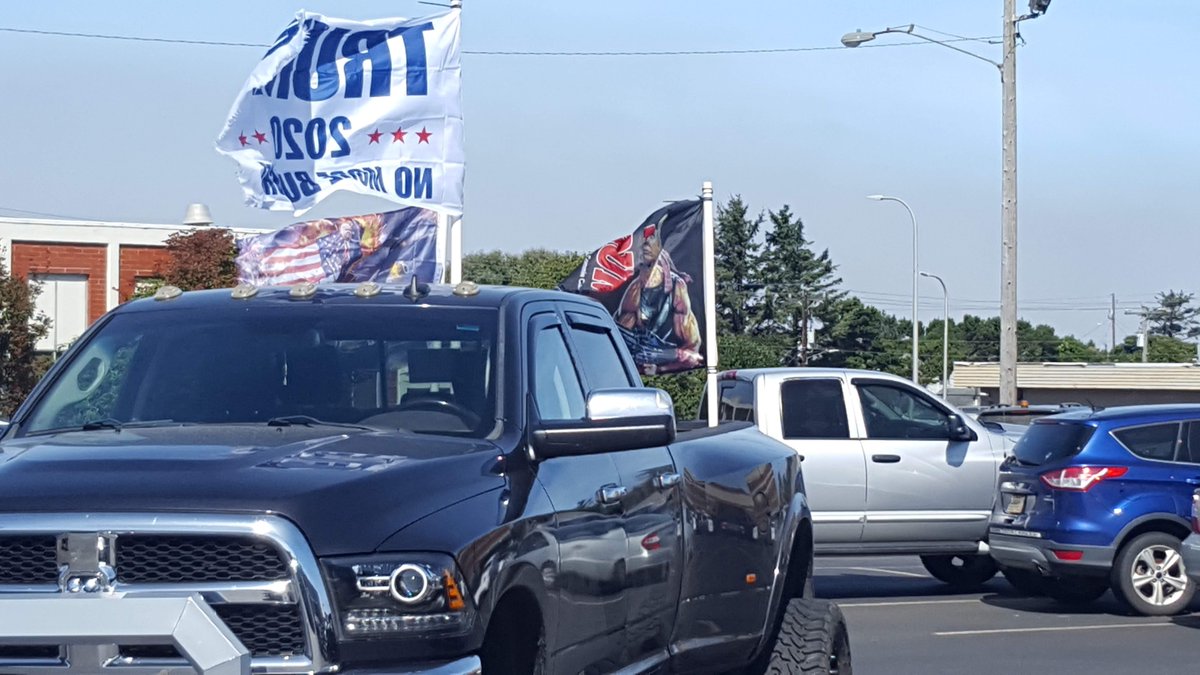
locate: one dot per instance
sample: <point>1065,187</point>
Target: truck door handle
<point>666,480</point>
<point>612,494</point>
<point>885,459</point>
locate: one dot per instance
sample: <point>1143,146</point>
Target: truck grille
<point>156,559</point>
<point>28,560</point>
<point>250,584</point>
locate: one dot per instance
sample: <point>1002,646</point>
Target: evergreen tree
<point>799,285</point>
<point>21,326</point>
<point>737,253</point>
<point>1174,316</point>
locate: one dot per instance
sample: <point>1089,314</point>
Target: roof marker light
<point>367,289</point>
<point>304,290</point>
<point>167,293</point>
<point>466,289</point>
<point>244,291</point>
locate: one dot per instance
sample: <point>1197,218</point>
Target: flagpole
<point>455,224</point>
<point>710,301</point>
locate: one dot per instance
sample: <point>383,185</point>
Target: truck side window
<point>599,358</point>
<point>737,401</point>
<point>813,409</point>
<point>896,413</point>
<point>556,388</point>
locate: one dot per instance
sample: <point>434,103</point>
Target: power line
<point>688,52</point>
<point>43,213</point>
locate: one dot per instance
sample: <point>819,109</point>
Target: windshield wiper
<point>117,425</point>
<point>310,421</point>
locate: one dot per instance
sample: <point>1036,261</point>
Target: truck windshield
<point>1047,442</point>
<point>426,370</point>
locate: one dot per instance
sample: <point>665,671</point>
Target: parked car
<point>1092,500</point>
<point>389,479</point>
<point>889,468</point>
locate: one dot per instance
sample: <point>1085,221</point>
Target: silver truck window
<point>895,413</point>
<point>556,388</point>
<point>813,408</point>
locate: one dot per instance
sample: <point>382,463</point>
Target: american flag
<point>339,249</point>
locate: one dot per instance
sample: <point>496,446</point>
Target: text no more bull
<point>406,182</point>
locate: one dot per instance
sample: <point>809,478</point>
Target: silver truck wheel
<point>963,572</point>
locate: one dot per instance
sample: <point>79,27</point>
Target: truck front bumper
<point>88,629</point>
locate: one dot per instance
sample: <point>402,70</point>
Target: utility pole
<point>1143,331</point>
<point>1008,212</point>
<point>1112,323</point>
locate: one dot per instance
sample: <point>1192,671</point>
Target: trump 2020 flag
<point>653,283</point>
<point>372,107</point>
<point>384,247</point>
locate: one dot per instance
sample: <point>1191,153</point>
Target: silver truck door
<point>814,423</point>
<point>921,486</point>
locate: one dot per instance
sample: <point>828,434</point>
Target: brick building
<point>86,268</point>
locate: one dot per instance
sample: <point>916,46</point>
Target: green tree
<point>799,285</point>
<point>1163,349</point>
<point>1071,348</point>
<point>856,335</point>
<point>737,252</point>
<point>535,268</point>
<point>1174,316</point>
<point>21,326</point>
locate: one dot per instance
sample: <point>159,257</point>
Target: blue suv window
<point>1157,441</point>
<point>1051,441</point>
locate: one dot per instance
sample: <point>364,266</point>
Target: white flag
<point>373,107</point>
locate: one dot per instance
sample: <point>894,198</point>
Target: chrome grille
<point>174,559</point>
<point>256,573</point>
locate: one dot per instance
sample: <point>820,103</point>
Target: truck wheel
<point>1025,581</point>
<point>1148,575</point>
<point>812,639</point>
<point>963,572</point>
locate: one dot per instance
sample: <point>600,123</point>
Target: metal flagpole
<point>455,224</point>
<point>710,300</point>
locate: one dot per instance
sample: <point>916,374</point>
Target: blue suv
<point>1093,500</point>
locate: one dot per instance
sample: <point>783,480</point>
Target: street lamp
<point>916,278</point>
<point>1008,185</point>
<point>945,332</point>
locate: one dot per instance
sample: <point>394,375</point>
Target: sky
<point>569,152</point>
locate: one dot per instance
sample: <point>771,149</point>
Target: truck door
<point>589,581</point>
<point>813,421</point>
<point>921,486</point>
<point>651,507</point>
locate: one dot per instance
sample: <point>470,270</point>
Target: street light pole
<point>945,332</point>
<point>1008,189</point>
<point>1008,212</point>
<point>916,367</point>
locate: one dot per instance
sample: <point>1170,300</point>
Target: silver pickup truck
<point>889,468</point>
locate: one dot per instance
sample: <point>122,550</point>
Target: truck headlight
<point>395,595</point>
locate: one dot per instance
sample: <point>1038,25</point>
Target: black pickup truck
<point>375,479</point>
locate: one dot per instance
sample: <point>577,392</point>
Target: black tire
<point>812,639</point>
<point>963,572</point>
<point>1154,559</point>
<point>1075,590</point>
<point>1025,581</point>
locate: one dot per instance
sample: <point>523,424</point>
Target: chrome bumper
<point>91,627</point>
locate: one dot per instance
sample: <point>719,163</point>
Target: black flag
<point>653,283</point>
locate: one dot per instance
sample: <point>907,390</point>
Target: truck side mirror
<point>959,431</point>
<point>616,419</point>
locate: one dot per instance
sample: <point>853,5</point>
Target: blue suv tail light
<point>1081,478</point>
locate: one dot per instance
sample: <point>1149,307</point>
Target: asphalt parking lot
<point>904,621</point>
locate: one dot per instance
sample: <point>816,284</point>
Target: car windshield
<point>1047,442</point>
<point>391,367</point>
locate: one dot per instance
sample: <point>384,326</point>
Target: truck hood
<point>346,491</point>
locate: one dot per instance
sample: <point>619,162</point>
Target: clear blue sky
<point>570,152</point>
